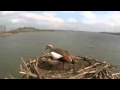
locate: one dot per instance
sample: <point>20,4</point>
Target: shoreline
<point>7,34</point>
<point>15,32</point>
<point>111,33</point>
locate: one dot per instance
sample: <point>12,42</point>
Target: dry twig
<point>37,69</point>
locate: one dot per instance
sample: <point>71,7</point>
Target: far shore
<point>7,34</point>
<point>18,31</point>
<point>111,33</point>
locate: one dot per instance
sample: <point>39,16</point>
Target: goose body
<point>56,55</point>
<point>60,54</point>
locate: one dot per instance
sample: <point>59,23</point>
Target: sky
<point>95,21</point>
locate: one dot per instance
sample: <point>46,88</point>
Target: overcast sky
<point>96,21</point>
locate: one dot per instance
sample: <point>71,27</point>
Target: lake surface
<point>104,47</point>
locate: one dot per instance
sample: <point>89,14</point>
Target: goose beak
<point>46,48</point>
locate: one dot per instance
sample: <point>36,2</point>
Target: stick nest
<point>44,67</point>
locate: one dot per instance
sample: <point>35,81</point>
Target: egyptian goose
<point>60,54</point>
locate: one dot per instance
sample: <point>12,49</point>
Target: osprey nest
<point>44,67</point>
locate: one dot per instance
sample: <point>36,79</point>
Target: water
<point>27,45</point>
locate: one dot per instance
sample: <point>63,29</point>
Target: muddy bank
<point>7,34</point>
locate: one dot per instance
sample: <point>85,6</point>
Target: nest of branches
<point>44,67</point>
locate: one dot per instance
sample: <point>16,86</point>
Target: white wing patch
<point>56,55</point>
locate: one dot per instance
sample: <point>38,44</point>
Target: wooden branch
<point>95,69</point>
<point>23,76</point>
<point>81,75</point>
<point>103,62</point>
<point>38,74</point>
<point>28,73</point>
<point>99,70</point>
<point>11,76</point>
<point>25,64</point>
<point>87,67</point>
<point>116,74</point>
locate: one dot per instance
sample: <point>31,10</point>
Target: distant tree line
<point>112,33</point>
<point>26,28</point>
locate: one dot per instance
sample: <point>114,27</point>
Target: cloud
<point>110,18</point>
<point>15,20</point>
<point>88,17</point>
<point>67,20</point>
<point>72,20</point>
<point>8,12</point>
<point>68,11</point>
<point>45,16</point>
<point>88,14</point>
<point>48,14</point>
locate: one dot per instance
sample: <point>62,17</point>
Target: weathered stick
<point>11,76</point>
<point>96,69</point>
<point>99,70</point>
<point>38,74</point>
<point>28,73</point>
<point>25,64</point>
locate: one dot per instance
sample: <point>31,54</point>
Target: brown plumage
<point>60,54</point>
